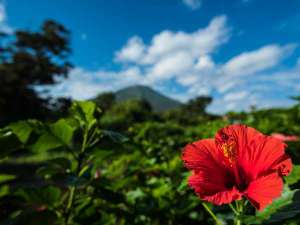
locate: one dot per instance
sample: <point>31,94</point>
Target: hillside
<point>158,101</point>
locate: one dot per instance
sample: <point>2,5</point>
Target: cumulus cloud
<point>182,65</point>
<point>84,84</point>
<point>2,13</point>
<point>4,27</point>
<point>193,4</point>
<point>201,42</point>
<point>175,55</point>
<point>258,60</point>
<point>132,51</point>
<point>170,66</point>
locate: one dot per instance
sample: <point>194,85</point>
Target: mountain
<point>157,101</point>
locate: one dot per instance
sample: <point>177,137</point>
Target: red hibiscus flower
<point>239,162</point>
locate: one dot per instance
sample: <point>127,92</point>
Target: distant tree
<point>28,59</point>
<point>105,100</point>
<point>124,114</point>
<point>197,105</point>
<point>296,98</point>
<point>192,112</point>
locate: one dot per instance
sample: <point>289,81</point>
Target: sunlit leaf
<point>22,130</point>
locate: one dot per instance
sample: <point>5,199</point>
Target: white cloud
<point>186,61</point>
<point>84,84</point>
<point>263,89</point>
<point>201,42</point>
<point>132,51</point>
<point>193,4</point>
<point>2,13</point>
<point>258,60</point>
<point>235,96</point>
<point>4,27</point>
<point>171,66</point>
<point>205,63</point>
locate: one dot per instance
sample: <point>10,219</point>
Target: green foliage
<point>285,207</point>
<point>105,100</point>
<point>294,177</point>
<point>79,170</point>
<point>122,115</point>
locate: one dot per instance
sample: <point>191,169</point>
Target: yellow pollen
<point>229,151</point>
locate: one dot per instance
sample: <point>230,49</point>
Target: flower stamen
<point>229,151</point>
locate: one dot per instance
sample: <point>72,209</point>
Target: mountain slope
<point>157,101</point>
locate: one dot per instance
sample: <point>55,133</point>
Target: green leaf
<point>88,108</point>
<point>114,136</point>
<point>63,131</point>
<point>285,207</point>
<point>54,166</point>
<point>4,190</point>
<point>59,134</point>
<point>294,177</point>
<point>48,196</point>
<point>184,183</point>
<point>60,162</point>
<point>22,130</point>
<point>133,195</point>
<point>6,177</point>
<point>9,143</point>
<point>84,111</point>
<point>46,142</point>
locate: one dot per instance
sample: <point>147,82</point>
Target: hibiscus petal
<point>262,191</point>
<point>200,155</point>
<point>267,154</point>
<point>234,142</point>
<point>236,139</point>
<point>256,154</point>
<point>283,165</point>
<point>241,134</point>
<point>213,189</point>
<point>211,180</point>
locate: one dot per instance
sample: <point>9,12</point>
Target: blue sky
<point>242,52</point>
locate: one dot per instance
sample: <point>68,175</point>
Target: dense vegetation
<point>77,171</point>
<point>109,161</point>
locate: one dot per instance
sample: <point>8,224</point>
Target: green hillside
<point>157,101</point>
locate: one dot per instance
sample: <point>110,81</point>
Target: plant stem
<point>233,209</point>
<point>211,213</point>
<point>240,210</point>
<point>78,169</point>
